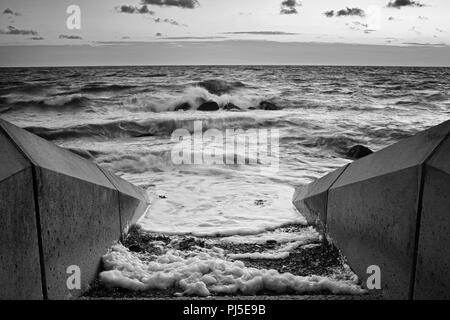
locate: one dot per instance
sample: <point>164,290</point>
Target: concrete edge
<point>419,215</point>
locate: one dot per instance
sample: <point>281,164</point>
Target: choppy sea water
<point>125,116</point>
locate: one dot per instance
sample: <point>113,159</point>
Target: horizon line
<point>229,65</point>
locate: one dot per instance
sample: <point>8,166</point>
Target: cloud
<point>143,9</point>
<point>185,4</point>
<point>426,44</point>
<point>404,3</point>
<point>350,12</point>
<point>70,37</point>
<point>160,20</point>
<point>36,38</point>
<point>171,21</point>
<point>267,33</point>
<point>10,12</point>
<point>360,26</point>
<point>289,7</point>
<point>357,23</point>
<point>13,31</point>
<point>345,12</point>
<point>194,38</point>
<point>158,34</point>
<point>414,29</point>
<point>134,10</point>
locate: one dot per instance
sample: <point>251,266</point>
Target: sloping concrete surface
<point>20,273</point>
<point>373,214</point>
<point>79,222</point>
<point>69,203</point>
<point>373,223</point>
<point>311,200</point>
<point>432,280</point>
<point>132,200</point>
<point>49,156</point>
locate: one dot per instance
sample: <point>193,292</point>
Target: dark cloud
<point>70,37</point>
<point>10,12</point>
<point>345,12</point>
<point>13,31</point>
<point>36,38</point>
<point>289,7</point>
<point>350,12</point>
<point>169,21</point>
<point>186,4</point>
<point>143,9</point>
<point>134,10</point>
<point>158,34</point>
<point>404,3</point>
<point>267,33</point>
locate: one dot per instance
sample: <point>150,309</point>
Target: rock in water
<point>266,105</point>
<point>209,106</point>
<point>184,106</point>
<point>231,107</point>
<point>358,152</point>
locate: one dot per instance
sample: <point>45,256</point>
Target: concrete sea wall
<point>391,209</point>
<point>57,210</point>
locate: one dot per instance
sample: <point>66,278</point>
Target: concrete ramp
<point>392,209</point>
<point>312,200</point>
<point>57,211</point>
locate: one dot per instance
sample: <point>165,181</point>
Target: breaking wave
<point>72,102</point>
<point>153,127</point>
<point>219,87</point>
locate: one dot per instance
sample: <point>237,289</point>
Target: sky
<point>118,32</point>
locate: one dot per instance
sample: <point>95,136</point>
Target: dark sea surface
<point>124,118</point>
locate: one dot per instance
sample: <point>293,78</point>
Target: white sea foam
<point>219,205</point>
<point>194,95</point>
<point>203,272</point>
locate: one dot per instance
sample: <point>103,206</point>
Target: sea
<point>128,119</point>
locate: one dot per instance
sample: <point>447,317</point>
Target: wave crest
<point>220,87</point>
